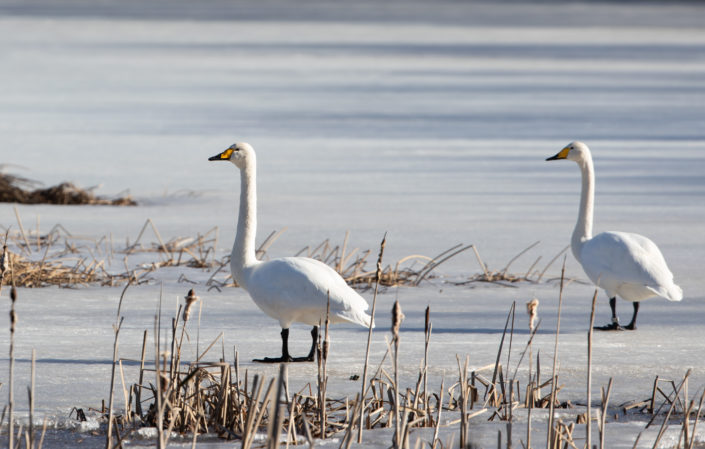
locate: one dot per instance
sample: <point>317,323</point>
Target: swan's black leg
<point>285,358</point>
<point>314,344</point>
<point>632,325</point>
<point>285,351</point>
<point>614,325</point>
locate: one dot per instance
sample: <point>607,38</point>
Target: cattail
<point>4,263</point>
<point>13,315</point>
<point>378,273</point>
<point>190,299</point>
<point>397,318</point>
<point>326,340</point>
<point>324,347</point>
<point>164,381</point>
<point>532,309</point>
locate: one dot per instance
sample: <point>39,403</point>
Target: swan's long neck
<point>583,228</point>
<point>243,255</point>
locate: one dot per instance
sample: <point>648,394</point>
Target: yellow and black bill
<point>563,154</point>
<point>224,156</point>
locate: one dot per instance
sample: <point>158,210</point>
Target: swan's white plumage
<point>624,264</point>
<point>628,265</point>
<point>288,289</point>
<point>295,289</point>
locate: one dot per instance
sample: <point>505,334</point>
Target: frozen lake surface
<point>430,122</point>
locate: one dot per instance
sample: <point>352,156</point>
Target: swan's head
<point>238,153</point>
<point>574,151</point>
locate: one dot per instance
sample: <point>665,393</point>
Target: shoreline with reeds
<point>496,397</point>
<point>60,258</point>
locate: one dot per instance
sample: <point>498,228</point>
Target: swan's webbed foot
<point>613,326</point>
<point>288,359</point>
<point>274,360</point>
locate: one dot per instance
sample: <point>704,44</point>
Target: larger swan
<point>624,264</point>
<point>289,289</point>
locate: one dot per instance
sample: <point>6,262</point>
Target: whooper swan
<point>289,289</point>
<point>621,263</point>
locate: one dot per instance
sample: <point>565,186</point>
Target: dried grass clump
<point>59,258</point>
<point>352,264</point>
<point>192,252</point>
<point>15,189</point>
<point>46,272</point>
<point>411,270</point>
<point>504,276</point>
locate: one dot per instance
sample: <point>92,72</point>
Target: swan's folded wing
<point>625,258</point>
<point>303,285</point>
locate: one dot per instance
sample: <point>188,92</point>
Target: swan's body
<point>628,265</point>
<point>289,289</point>
<point>623,264</point>
<point>295,290</point>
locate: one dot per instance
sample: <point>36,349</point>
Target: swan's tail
<point>671,292</point>
<point>675,293</point>
<point>357,317</point>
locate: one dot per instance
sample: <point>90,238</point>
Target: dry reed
<point>378,277</point>
<point>10,399</point>
<point>550,442</point>
<point>588,413</point>
<point>16,189</point>
<point>66,260</point>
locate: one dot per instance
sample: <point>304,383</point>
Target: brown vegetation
<point>218,398</point>
<point>62,259</point>
<point>14,189</point>
<point>198,397</point>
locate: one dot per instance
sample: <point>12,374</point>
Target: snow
<point>427,121</point>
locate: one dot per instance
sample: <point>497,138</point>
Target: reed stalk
<point>463,399</point>
<point>497,365</point>
<point>109,436</point>
<point>30,394</point>
<point>427,338</point>
<point>662,430</point>
<point>555,362</point>
<point>277,413</point>
<point>605,399</point>
<point>27,247</point>
<point>322,379</point>
<point>378,275</point>
<point>11,399</point>
<point>397,318</point>
<point>698,411</point>
<point>588,423</point>
<point>437,428</point>
<point>532,309</point>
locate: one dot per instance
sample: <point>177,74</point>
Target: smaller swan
<point>624,264</point>
<point>289,289</point>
